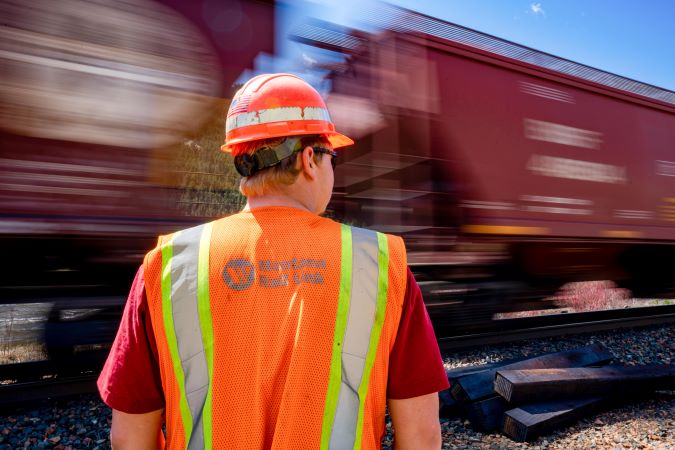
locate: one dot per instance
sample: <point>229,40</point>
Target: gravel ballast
<point>84,422</point>
<point>80,422</point>
<point>647,424</point>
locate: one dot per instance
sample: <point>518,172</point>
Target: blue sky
<point>628,38</point>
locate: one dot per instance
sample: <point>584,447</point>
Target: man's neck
<point>274,199</point>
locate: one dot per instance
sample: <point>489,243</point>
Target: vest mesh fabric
<point>273,331</point>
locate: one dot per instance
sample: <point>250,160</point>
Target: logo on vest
<point>239,274</point>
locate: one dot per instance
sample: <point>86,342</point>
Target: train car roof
<point>401,20</point>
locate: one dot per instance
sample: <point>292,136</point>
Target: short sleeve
<point>415,363</point>
<point>130,381</point>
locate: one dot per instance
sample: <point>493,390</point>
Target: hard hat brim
<point>337,140</point>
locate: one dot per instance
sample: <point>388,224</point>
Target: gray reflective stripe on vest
<point>360,320</point>
<point>185,311</point>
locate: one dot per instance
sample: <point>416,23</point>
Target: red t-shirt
<point>130,380</point>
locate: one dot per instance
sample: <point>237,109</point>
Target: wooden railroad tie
<point>529,397</point>
<point>529,421</point>
<point>518,386</point>
<point>578,392</point>
<point>480,385</point>
<point>478,401</point>
<point>448,405</point>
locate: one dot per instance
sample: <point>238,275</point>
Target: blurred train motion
<point>508,171</point>
<point>96,100</point>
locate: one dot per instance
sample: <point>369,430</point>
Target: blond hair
<point>283,174</point>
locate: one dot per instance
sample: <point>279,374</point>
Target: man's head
<point>278,130</point>
<point>271,165</point>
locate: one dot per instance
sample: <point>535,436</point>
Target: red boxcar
<point>94,96</point>
<point>487,153</point>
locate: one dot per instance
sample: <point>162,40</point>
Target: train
<point>102,106</point>
<point>92,120</point>
<point>508,171</point>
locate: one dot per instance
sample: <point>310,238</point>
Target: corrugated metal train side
<point>497,168</point>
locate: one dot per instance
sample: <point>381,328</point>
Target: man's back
<point>275,328</point>
<point>276,279</point>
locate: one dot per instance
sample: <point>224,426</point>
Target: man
<point>275,328</point>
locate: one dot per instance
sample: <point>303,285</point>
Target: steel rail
<point>17,394</point>
<point>543,330</point>
<point>22,383</point>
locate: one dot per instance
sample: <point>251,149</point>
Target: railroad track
<point>28,392</point>
<point>23,383</point>
<point>27,382</point>
<point>509,330</point>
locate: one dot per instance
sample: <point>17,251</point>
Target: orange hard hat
<point>278,105</point>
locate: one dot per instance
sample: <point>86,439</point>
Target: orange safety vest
<point>274,329</point>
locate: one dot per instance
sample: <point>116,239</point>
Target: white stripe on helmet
<point>276,115</point>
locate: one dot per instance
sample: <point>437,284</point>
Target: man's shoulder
<point>394,241</point>
<point>365,230</point>
<point>195,229</point>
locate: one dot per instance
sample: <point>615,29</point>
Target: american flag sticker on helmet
<point>239,104</point>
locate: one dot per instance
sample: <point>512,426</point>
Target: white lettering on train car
<point>666,168</point>
<point>546,92</point>
<point>633,214</point>
<point>561,200</point>
<point>539,130</point>
<point>480,204</point>
<point>558,210</point>
<point>573,169</point>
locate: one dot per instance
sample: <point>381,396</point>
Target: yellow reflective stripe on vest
<point>187,321</point>
<point>335,374</point>
<point>360,317</point>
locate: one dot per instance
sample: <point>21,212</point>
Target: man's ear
<point>308,165</point>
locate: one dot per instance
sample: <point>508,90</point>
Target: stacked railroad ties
<point>527,398</point>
